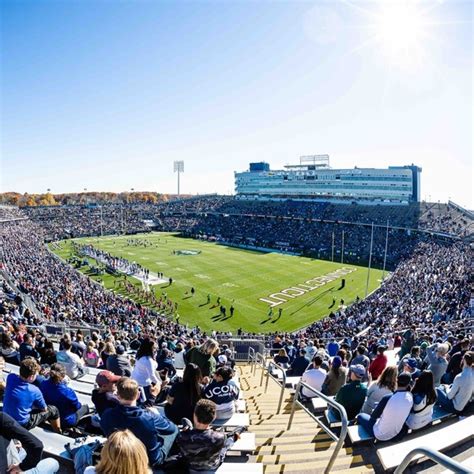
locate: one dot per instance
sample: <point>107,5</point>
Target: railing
<point>342,413</point>
<point>251,356</point>
<point>260,360</point>
<point>436,456</point>
<point>275,378</point>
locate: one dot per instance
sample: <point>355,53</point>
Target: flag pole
<point>332,253</point>
<point>370,260</point>
<point>342,253</point>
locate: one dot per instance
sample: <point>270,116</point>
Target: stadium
<point>236,237</point>
<point>331,328</point>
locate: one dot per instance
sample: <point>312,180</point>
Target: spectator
<point>104,396</point>
<point>414,354</point>
<point>48,354</point>
<point>424,398</point>
<point>165,362</point>
<point>386,384</point>
<point>361,359</point>
<point>223,392</point>
<point>408,341</point>
<point>282,358</point>
<point>9,349</point>
<point>91,355</point>
<point>29,454</point>
<point>56,392</point>
<point>145,368</point>
<point>379,363</point>
<point>202,448</point>
<point>458,397</point>
<point>156,432</point>
<point>335,378</point>
<point>387,421</point>
<point>72,362</point>
<point>455,362</point>
<point>410,367</point>
<point>299,365</point>
<point>122,453</point>
<point>333,347</point>
<point>314,376</point>
<point>203,357</point>
<point>24,402</point>
<point>119,363</point>
<point>179,353</point>
<point>436,359</point>
<point>184,394</point>
<point>352,395</point>
<point>27,348</point>
<point>108,350</point>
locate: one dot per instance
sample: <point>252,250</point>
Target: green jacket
<point>352,396</point>
<point>205,362</point>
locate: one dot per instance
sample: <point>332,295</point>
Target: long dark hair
<point>146,349</point>
<point>191,378</point>
<point>424,385</point>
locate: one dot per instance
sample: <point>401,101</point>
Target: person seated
<point>178,359</point>
<point>352,395</point>
<point>458,398</point>
<point>413,354</point>
<point>24,454</point>
<point>361,358</point>
<point>166,362</point>
<point>223,392</point>
<point>437,362</point>
<point>47,352</point>
<point>104,396</point>
<point>455,362</point>
<point>184,394</point>
<point>387,421</point>
<point>74,365</point>
<point>282,358</point>
<point>299,365</point>
<point>202,448</point>
<point>335,378</point>
<point>156,431</point>
<point>410,367</point>
<point>314,376</point>
<point>27,348</point>
<point>379,363</point>
<point>56,392</point>
<point>122,453</point>
<point>225,357</point>
<point>424,399</point>
<point>119,363</point>
<point>9,349</point>
<point>24,402</point>
<point>91,355</point>
<point>386,384</point>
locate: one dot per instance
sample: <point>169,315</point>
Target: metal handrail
<point>283,383</point>
<point>260,361</point>
<point>332,403</point>
<point>251,355</point>
<point>436,456</point>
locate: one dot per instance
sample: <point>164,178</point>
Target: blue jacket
<point>64,398</point>
<point>147,426</point>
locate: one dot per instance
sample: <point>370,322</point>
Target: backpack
<point>85,455</point>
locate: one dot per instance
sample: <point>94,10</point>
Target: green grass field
<point>240,278</point>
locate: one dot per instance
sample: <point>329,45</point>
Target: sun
<point>400,30</point>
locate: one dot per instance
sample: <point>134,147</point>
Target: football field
<point>268,291</point>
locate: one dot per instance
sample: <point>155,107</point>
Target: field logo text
<point>289,293</point>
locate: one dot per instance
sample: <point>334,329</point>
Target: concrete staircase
<point>305,448</point>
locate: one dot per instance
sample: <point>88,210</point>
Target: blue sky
<point>105,95</point>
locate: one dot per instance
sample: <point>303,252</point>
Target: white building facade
<point>313,179</point>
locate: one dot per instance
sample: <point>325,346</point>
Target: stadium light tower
<point>178,168</point>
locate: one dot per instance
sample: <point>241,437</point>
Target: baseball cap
<point>120,349</point>
<point>105,376</point>
<point>358,370</point>
<point>411,362</point>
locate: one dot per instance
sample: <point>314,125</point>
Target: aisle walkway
<point>303,449</point>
